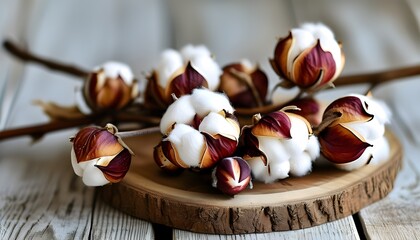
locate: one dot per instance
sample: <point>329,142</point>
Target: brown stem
<point>378,77</point>
<point>37,131</point>
<point>139,132</point>
<point>27,56</point>
<point>327,120</point>
<point>266,108</point>
<point>140,118</point>
<point>263,109</point>
<point>374,79</point>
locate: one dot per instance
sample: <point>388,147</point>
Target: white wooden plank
<point>109,223</point>
<point>340,229</point>
<point>40,196</point>
<point>397,216</point>
<point>86,36</point>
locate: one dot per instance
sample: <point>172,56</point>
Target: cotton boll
<point>326,37</point>
<point>376,107</point>
<point>269,173</point>
<point>76,167</point>
<point>380,151</point>
<point>313,44</point>
<point>273,149</point>
<point>215,123</point>
<point>278,165</point>
<point>284,142</point>
<point>369,130</point>
<point>259,171</point>
<point>303,40</point>
<point>99,156</point>
<point>109,87</point>
<point>300,165</point>
<point>177,132</point>
<point>170,62</point>
<point>313,147</point>
<point>202,61</point>
<point>180,111</point>
<point>209,69</point>
<point>115,69</point>
<point>93,176</point>
<point>179,72</point>
<point>278,170</point>
<point>198,130</point>
<point>205,101</point>
<point>190,51</point>
<point>362,125</point>
<point>319,30</point>
<point>188,142</point>
<point>359,162</point>
<point>247,64</point>
<point>299,132</point>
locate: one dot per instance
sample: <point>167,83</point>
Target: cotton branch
<point>27,56</point>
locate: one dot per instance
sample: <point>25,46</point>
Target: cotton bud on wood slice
<point>275,124</point>
<point>186,82</point>
<point>203,61</point>
<point>232,175</point>
<point>179,73</point>
<point>198,132</point>
<point>198,105</point>
<point>205,101</point>
<point>217,147</point>
<point>341,145</point>
<point>277,144</point>
<point>188,144</point>
<point>222,123</point>
<point>162,157</point>
<point>181,111</point>
<point>350,129</point>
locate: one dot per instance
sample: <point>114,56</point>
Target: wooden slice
<point>188,201</point>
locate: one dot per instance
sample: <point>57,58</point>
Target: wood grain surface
<point>343,229</point>
<point>40,197</point>
<point>188,201</point>
<point>398,215</point>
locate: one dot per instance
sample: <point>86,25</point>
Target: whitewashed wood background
<point>40,197</point>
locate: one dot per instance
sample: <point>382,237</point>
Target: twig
<point>38,131</point>
<point>27,56</point>
<point>378,77</point>
<point>266,108</point>
<point>136,133</point>
<point>263,109</point>
<point>139,118</point>
<point>374,79</point>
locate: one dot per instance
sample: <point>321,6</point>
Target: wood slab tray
<point>188,201</point>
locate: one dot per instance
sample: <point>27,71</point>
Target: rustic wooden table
<point>41,197</point>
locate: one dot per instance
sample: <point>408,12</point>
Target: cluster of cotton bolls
<point>200,130</point>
